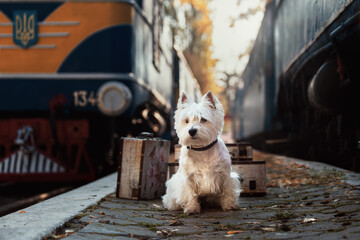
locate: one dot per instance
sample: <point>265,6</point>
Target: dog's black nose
<point>192,132</point>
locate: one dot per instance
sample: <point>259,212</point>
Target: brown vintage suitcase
<point>240,151</point>
<point>174,162</point>
<point>252,177</point>
<point>142,168</point>
<point>252,173</point>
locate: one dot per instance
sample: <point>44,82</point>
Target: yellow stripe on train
<point>59,34</point>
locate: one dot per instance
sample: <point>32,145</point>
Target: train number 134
<point>82,98</point>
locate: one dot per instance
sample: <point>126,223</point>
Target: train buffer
<point>304,200</point>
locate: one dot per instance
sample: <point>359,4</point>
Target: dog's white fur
<point>202,175</point>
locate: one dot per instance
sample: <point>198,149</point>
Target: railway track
<point>15,196</point>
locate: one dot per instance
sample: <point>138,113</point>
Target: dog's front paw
<point>192,209</point>
<point>228,205</point>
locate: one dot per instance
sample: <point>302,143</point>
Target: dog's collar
<point>203,148</point>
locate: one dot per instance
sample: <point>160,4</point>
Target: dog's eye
<point>186,120</point>
<point>202,120</point>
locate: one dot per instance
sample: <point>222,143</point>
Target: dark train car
<point>302,82</point>
<point>75,76</point>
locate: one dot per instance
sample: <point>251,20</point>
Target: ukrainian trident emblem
<point>25,31</point>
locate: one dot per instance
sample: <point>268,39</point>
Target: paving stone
<point>290,235</point>
<point>114,231</point>
<point>352,228</point>
<point>86,236</point>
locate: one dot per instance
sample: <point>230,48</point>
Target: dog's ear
<point>182,99</point>
<point>210,97</point>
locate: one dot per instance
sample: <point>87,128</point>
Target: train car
<point>75,76</point>
<point>302,82</point>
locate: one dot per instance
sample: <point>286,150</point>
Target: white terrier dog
<point>204,173</point>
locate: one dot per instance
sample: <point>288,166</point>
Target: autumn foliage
<point>196,39</point>
<point>198,53</point>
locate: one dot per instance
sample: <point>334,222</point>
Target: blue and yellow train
<point>75,76</point>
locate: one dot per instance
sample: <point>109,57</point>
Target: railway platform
<point>304,200</point>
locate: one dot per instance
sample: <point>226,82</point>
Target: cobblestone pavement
<point>301,203</point>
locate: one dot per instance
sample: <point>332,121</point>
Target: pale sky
<point>229,42</point>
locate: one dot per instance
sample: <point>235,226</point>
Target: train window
<point>156,24</point>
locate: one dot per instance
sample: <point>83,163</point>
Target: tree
<point>194,37</point>
<point>229,82</point>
